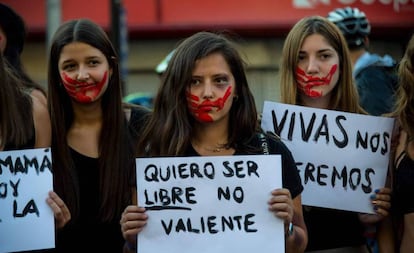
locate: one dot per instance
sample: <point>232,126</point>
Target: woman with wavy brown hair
<point>403,204</point>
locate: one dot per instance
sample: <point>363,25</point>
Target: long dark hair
<point>16,110</point>
<point>116,147</point>
<point>169,131</point>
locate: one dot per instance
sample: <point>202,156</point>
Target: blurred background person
<point>374,75</point>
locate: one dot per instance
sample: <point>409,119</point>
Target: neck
<point>355,54</point>
<point>210,134</point>
<point>320,103</point>
<point>87,114</point>
<point>211,137</point>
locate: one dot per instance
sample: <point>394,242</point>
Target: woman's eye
<point>195,82</point>
<point>68,67</point>
<point>221,81</point>
<point>93,62</point>
<point>325,56</point>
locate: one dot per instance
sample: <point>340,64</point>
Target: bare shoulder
<point>35,93</point>
<point>39,105</point>
<point>41,120</point>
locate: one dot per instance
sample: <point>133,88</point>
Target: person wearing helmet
<point>162,66</point>
<point>374,75</point>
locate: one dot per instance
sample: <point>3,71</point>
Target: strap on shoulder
<point>264,144</point>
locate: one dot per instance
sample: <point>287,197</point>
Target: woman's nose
<point>82,74</point>
<point>208,90</point>
<point>313,66</point>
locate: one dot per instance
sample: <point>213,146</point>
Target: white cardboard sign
<point>26,220</point>
<point>342,157</point>
<point>209,204</point>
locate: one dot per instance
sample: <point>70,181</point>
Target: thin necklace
<point>217,149</point>
<point>214,150</point>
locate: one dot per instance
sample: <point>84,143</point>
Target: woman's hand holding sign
<point>290,211</point>
<point>60,210</point>
<point>281,205</point>
<point>381,202</point>
<point>132,222</point>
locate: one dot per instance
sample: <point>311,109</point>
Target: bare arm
<point>40,96</point>
<point>42,124</point>
<point>385,236</point>
<point>408,234</point>
<point>133,221</point>
<point>60,210</point>
<point>381,220</point>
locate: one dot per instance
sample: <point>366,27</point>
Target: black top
<point>88,233</point>
<point>290,175</point>
<point>403,202</point>
<point>330,228</point>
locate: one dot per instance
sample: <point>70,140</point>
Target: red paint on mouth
<point>201,110</point>
<point>307,82</point>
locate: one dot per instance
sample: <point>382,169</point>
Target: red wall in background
<point>163,18</point>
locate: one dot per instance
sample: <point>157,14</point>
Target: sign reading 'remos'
<point>342,157</point>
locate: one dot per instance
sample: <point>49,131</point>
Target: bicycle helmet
<point>353,24</point>
<point>162,66</point>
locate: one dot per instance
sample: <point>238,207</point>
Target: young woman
<point>93,137</point>
<point>25,124</point>
<point>404,155</point>
<point>316,71</point>
<point>204,107</point>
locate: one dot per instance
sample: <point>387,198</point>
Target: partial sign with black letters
<point>342,157</point>
<point>209,204</point>
<point>26,220</point>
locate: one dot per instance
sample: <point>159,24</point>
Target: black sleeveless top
<point>403,201</point>
<point>330,228</point>
<point>88,233</point>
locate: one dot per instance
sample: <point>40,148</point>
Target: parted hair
<point>116,147</point>
<point>170,128</point>
<point>345,94</point>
